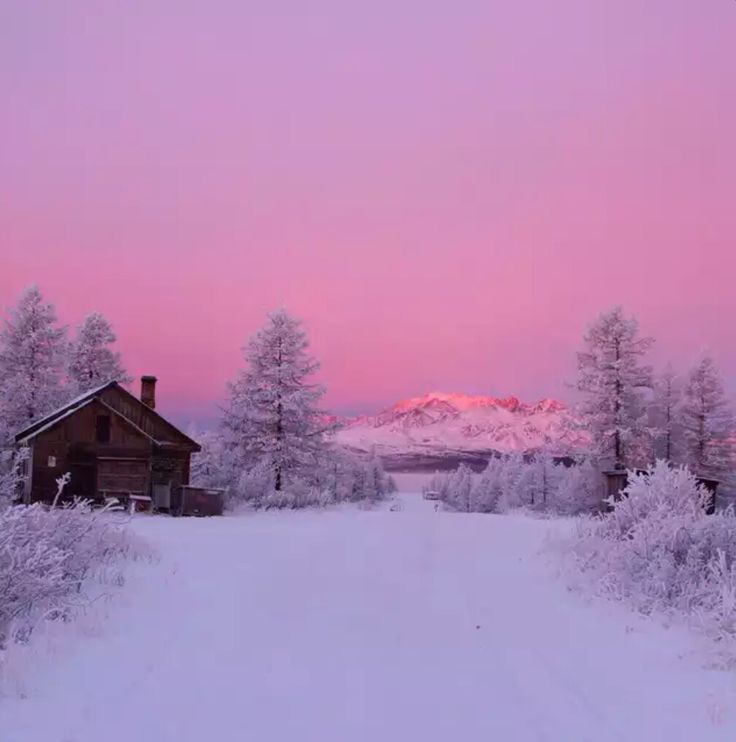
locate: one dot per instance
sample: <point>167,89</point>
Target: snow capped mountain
<point>439,423</point>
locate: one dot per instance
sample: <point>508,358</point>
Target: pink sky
<point>446,193</point>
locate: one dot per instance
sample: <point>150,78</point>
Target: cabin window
<point>103,428</point>
<point>51,462</point>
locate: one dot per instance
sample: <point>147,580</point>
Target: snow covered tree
<point>487,489</point>
<point>707,422</point>
<point>512,484</point>
<point>613,378</point>
<point>577,489</point>
<point>459,493</point>
<point>665,415</point>
<point>12,474</point>
<point>538,481</point>
<point>92,360</point>
<point>374,483</point>
<point>32,355</point>
<point>209,466</point>
<point>272,413</point>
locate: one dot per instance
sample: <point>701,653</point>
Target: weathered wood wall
<point>128,462</point>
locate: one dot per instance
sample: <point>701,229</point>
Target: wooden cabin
<point>112,444</point>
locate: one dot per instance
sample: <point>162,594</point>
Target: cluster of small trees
<point>514,481</point>
<point>634,416</point>
<point>41,367</point>
<point>272,448</point>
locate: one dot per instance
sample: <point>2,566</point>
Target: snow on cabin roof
<point>24,438</point>
<point>59,413</point>
<point>83,400</point>
<point>72,410</point>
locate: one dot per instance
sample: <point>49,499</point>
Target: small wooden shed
<point>113,445</point>
<point>616,481</point>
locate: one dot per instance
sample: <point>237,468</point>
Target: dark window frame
<point>102,429</point>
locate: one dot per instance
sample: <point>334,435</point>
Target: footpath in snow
<point>354,626</point>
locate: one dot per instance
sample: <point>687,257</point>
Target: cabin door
<point>83,482</point>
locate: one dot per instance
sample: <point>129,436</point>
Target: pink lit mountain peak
<point>438,422</point>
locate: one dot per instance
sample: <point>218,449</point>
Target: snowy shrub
<point>577,489</point>
<point>512,482</point>
<point>298,494</point>
<point>253,485</point>
<point>488,488</point>
<point>51,558</point>
<point>659,550</point>
<point>456,489</point>
<point>12,463</point>
<point>338,476</point>
<point>209,467</point>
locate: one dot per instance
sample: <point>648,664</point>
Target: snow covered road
<point>352,626</point>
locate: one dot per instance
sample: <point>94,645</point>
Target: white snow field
<point>352,626</point>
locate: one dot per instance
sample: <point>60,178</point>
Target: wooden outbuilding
<point>616,481</point>
<point>112,444</point>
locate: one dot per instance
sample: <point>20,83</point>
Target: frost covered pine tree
<point>92,360</point>
<point>272,415</point>
<point>665,415</point>
<point>613,378</point>
<point>32,356</point>
<point>707,422</point>
<point>209,465</point>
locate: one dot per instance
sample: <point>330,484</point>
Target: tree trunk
<point>618,453</point>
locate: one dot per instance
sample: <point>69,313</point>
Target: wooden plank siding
<point>109,443</point>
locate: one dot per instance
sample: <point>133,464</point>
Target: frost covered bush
<point>338,476</point>
<point>659,550</point>
<point>512,482</point>
<point>578,489</point>
<point>11,474</point>
<point>209,466</point>
<point>50,559</point>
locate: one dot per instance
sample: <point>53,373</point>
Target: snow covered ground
<point>353,626</point>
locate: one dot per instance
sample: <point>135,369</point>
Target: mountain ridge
<point>441,424</point>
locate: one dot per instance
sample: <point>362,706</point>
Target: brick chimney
<point>148,391</point>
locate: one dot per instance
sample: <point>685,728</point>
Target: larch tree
<point>613,380</point>
<point>92,359</point>
<point>665,415</point>
<point>32,358</point>
<point>707,422</point>
<point>272,416</point>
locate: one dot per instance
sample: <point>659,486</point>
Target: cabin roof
<point>48,421</point>
<point>43,424</point>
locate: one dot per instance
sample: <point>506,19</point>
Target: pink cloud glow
<point>446,195</point>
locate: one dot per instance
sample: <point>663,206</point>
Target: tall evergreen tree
<point>613,378</point>
<point>272,415</point>
<point>32,354</point>
<point>665,415</point>
<point>92,360</point>
<point>707,421</point>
